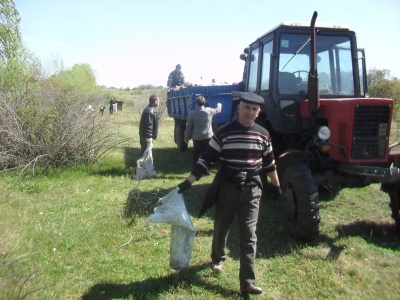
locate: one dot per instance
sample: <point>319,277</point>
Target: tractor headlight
<point>324,133</point>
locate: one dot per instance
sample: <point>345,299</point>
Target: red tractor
<point>325,129</point>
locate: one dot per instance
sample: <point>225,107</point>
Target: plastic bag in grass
<point>171,209</point>
<point>145,167</point>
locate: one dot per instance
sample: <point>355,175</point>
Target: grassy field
<point>82,233</point>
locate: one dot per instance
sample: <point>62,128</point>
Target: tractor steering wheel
<point>299,72</point>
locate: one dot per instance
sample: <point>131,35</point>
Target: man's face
<point>248,112</point>
<point>156,102</point>
<point>178,70</point>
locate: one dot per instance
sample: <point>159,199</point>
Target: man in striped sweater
<point>243,149</point>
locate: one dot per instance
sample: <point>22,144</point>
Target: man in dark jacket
<point>148,128</point>
<point>176,77</point>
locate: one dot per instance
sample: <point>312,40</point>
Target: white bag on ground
<point>171,209</point>
<point>145,167</point>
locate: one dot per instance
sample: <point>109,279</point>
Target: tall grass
<point>81,233</point>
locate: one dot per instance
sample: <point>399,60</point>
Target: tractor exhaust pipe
<point>313,81</point>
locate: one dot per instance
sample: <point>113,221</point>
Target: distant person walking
<point>113,106</point>
<point>176,77</point>
<point>198,126</point>
<point>102,109</point>
<point>148,128</point>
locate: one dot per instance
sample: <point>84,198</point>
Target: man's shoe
<point>217,268</point>
<point>251,289</point>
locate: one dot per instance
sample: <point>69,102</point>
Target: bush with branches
<point>51,125</point>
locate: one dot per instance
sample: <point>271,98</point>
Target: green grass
<point>82,233</point>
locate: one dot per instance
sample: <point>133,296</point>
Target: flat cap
<point>249,97</point>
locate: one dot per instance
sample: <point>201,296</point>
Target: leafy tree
<point>375,75</point>
<point>79,78</point>
<point>385,88</point>
<point>20,74</point>
<point>19,68</point>
<point>9,30</point>
<point>382,85</point>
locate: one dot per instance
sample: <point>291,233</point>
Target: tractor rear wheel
<point>301,202</point>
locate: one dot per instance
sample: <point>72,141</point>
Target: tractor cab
<point>278,66</point>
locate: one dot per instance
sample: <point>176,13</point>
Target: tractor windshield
<point>334,64</point>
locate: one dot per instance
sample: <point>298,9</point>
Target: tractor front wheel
<point>393,190</point>
<point>301,202</point>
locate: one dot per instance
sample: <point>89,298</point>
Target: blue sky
<point>134,42</point>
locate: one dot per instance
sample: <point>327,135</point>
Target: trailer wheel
<point>301,202</point>
<point>179,135</point>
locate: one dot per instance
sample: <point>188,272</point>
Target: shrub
<point>51,125</point>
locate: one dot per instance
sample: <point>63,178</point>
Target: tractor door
<point>362,72</point>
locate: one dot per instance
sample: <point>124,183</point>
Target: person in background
<point>112,106</point>
<point>243,149</point>
<point>198,126</point>
<point>148,127</point>
<point>176,77</point>
<point>102,109</point>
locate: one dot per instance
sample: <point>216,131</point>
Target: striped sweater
<point>238,148</point>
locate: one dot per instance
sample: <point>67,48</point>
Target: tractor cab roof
<point>292,24</point>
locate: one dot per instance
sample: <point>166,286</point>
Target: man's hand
<point>149,141</point>
<point>277,192</point>
<point>183,186</point>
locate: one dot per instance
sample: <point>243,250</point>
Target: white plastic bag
<point>171,209</point>
<point>145,167</point>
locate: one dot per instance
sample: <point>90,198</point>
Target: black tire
<point>395,206</point>
<point>179,135</point>
<point>394,193</point>
<point>301,202</point>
